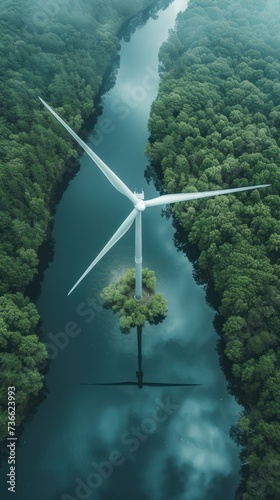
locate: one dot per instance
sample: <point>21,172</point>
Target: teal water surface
<point>110,443</point>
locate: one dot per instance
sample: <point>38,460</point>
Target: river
<point>108,443</point>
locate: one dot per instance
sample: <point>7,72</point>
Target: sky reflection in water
<point>188,455</point>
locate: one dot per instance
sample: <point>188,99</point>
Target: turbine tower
<point>139,203</point>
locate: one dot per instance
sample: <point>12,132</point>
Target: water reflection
<point>139,21</point>
<point>139,373</point>
<point>186,455</point>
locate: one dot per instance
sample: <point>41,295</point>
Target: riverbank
<point>62,54</point>
<point>77,425</point>
<point>215,124</point>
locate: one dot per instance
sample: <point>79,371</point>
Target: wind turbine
<point>139,203</point>
<point>139,374</point>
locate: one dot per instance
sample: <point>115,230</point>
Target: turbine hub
<point>140,206</point>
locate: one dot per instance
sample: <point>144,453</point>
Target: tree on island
<point>120,297</point>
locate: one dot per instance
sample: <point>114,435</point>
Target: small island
<point>120,297</point>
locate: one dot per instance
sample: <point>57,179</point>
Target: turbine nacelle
<point>140,205</point>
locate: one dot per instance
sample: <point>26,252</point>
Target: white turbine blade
<point>174,198</point>
<point>118,234</point>
<point>111,176</point>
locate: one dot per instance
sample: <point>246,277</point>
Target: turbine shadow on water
<point>139,374</point>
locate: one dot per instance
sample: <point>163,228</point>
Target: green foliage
<point>62,55</point>
<point>216,124</point>
<point>21,353</point>
<point>120,297</point>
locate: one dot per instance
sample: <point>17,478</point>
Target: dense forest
<point>216,124</point>
<point>61,51</point>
